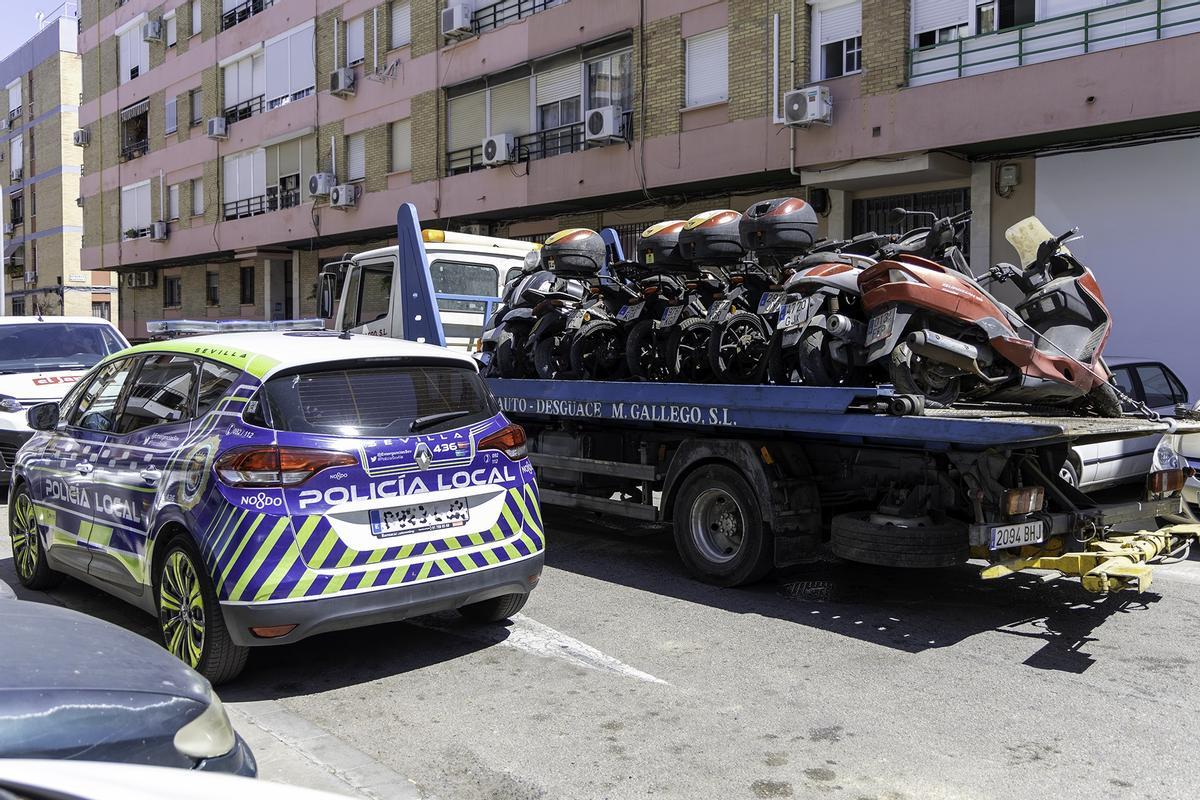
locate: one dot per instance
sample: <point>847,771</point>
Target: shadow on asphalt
<point>908,610</point>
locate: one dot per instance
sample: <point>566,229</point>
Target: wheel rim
<point>181,608</point>
<point>718,525</point>
<point>1067,475</point>
<point>741,346</point>
<point>24,536</point>
<point>691,354</point>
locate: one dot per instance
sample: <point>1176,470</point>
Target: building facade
<point>40,176</point>
<point>523,116</point>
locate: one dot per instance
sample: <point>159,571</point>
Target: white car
<point>41,358</point>
<point>1095,466</point>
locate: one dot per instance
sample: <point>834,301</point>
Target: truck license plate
<point>1018,535</point>
<point>769,302</point>
<point>880,327</point>
<point>576,321</point>
<point>630,313</point>
<point>453,513</point>
<point>671,315</point>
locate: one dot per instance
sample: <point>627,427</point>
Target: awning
<point>134,110</point>
<point>12,247</point>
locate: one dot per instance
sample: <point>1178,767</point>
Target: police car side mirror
<point>328,283</point>
<point>43,416</point>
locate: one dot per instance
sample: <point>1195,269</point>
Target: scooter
<point>505,351</point>
<point>942,334</point>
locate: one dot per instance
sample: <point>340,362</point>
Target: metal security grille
<point>872,214</point>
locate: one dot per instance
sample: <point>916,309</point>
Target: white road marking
<point>533,637</point>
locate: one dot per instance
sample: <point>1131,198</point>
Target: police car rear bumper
<point>338,612</point>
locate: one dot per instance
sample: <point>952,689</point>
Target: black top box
<point>712,237</point>
<point>783,228</point>
<point>658,247</point>
<point>574,251</point>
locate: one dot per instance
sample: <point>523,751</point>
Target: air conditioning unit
<point>130,279</point>
<point>456,21</point>
<point>152,31</point>
<point>17,173</point>
<point>499,149</point>
<point>341,82</point>
<point>605,124</point>
<point>82,137</point>
<point>811,105</point>
<point>3,123</point>
<point>79,202</point>
<point>158,231</point>
<point>218,128</point>
<point>320,184</point>
<point>8,227</point>
<point>344,195</point>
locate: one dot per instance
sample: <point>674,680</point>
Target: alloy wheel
<point>24,536</point>
<point>181,608</point>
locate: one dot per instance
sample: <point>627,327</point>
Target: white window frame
<point>125,55</point>
<point>197,197</point>
<point>171,115</point>
<point>241,62</point>
<point>296,92</point>
<point>356,40</point>
<point>135,192</point>
<point>406,130</point>
<point>356,164</point>
<point>173,202</point>
<point>14,85</point>
<point>254,164</point>
<point>817,46</point>
<point>171,24</point>
<point>397,40</point>
<point>717,91</point>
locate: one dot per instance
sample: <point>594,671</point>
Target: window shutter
<point>303,71</point>
<point>173,202</point>
<point>230,179</point>
<point>842,22</point>
<point>197,196</point>
<point>195,17</point>
<point>557,84</point>
<point>172,30</point>
<point>401,23</point>
<point>464,121</point>
<point>510,108</point>
<point>288,158</point>
<point>708,67</point>
<point>278,69</point>
<point>14,95</point>
<point>124,56</point>
<point>142,218</point>
<point>16,155</point>
<point>172,116</point>
<point>356,156</point>
<point>128,209</point>
<point>232,86</point>
<point>355,41</point>
<point>229,5</point>
<point>402,146</point>
<point>932,15</point>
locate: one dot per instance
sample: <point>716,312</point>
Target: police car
<point>41,358</point>
<point>259,488</point>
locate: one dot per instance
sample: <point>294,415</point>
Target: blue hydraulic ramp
<point>418,304</point>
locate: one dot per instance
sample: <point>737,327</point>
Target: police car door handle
<point>84,468</point>
<point>151,475</point>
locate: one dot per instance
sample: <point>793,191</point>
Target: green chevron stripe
<point>229,531</point>
<point>302,585</point>
<point>281,569</point>
<point>238,552</point>
<point>259,557</point>
<point>318,559</point>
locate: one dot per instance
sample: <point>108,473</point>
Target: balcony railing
<point>244,110</point>
<point>243,12</point>
<point>530,147</point>
<point>1088,31</point>
<point>136,233</point>
<point>14,113</point>
<point>289,198</point>
<point>135,149</point>
<point>498,14</point>
<point>249,207</point>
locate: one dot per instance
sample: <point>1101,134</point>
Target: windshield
<point>45,346</point>
<point>1027,236</point>
<point>379,401</point>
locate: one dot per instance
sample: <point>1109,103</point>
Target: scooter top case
<point>574,252</point>
<point>658,248</point>
<point>780,229</point>
<point>712,237</point>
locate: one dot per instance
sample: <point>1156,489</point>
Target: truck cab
<point>467,271</point>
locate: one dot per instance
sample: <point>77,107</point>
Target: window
<point>402,145</point>
<point>355,41</point>
<point>1000,15</point>
<point>135,210</point>
<point>14,99</point>
<point>161,394</point>
<point>1158,388</point>
<point>707,68</point>
<point>172,296</point>
<point>135,130</point>
<point>133,54</point>
<point>838,32</point>
<point>285,163</point>
<point>172,29</point>
<point>172,121</point>
<point>369,294</point>
<point>941,36</point>
<point>457,277</point>
<point>173,202</point>
<point>508,108</point>
<point>556,115</point>
<point>16,155</point>
<point>290,73</point>
<point>97,409</point>
<point>16,208</point>
<point>244,188</point>
<point>245,82</point>
<point>215,380</point>
<point>18,306</point>
<point>102,309</point>
<point>610,81</point>
<point>936,22</point>
<point>246,288</point>
<point>212,288</point>
<point>46,346</point>
<point>356,157</point>
<point>558,96</point>
<point>197,196</point>
<point>401,23</point>
<point>196,27</point>
<point>196,102</point>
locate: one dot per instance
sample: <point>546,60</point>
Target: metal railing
<point>244,110</point>
<point>14,113</point>
<point>249,207</point>
<point>285,199</point>
<point>531,146</point>
<point>243,12</point>
<point>135,149</point>
<point>1102,28</point>
<point>136,233</point>
<point>499,14</point>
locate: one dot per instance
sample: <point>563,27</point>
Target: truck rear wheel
<point>855,537</point>
<point>719,531</point>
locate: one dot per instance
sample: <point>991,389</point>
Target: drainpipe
<point>792,131</point>
<point>333,156</point>
<point>336,64</point>
<point>161,189</point>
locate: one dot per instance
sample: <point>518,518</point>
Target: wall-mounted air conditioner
<point>158,231</point>
<point>218,128</point>
<point>811,105</point>
<point>320,184</point>
<point>343,196</point>
<point>605,124</point>
<point>342,82</point>
<point>152,30</point>
<point>499,149</point>
<point>456,21</point>
<point>82,137</point>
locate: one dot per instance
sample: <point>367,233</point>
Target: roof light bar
<point>187,327</point>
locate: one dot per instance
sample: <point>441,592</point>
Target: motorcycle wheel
<point>783,367</point>
<point>687,351</point>
<point>910,375</point>
<point>596,352</point>
<point>642,355</point>
<point>549,357</point>
<point>736,348</point>
<point>1103,400</point>
<point>512,358</point>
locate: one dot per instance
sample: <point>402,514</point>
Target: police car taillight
<point>510,441</point>
<point>257,466</point>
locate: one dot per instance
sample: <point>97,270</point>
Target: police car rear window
<point>378,401</point>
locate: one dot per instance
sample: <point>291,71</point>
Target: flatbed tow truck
<point>757,477</point>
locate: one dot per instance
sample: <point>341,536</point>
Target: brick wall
<point>324,34</point>
<point>428,134</point>
<point>885,30</point>
<point>379,157</point>
<point>210,15</point>
<point>664,78</point>
<point>109,64</point>
<point>425,19</point>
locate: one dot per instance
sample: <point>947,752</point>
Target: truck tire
<point>856,538</point>
<point>719,531</point>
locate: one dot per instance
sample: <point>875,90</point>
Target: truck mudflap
<point>1119,561</point>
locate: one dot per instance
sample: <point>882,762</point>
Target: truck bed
<point>843,414</point>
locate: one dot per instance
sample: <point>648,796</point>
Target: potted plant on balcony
<point>132,233</point>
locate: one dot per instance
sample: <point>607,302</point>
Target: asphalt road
<point>624,678</point>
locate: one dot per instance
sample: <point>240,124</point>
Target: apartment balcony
<point>1090,31</point>
<point>244,110</point>
<point>247,207</point>
<point>244,11</point>
<point>530,147</point>
<point>14,114</point>
<point>499,14</point>
<point>136,233</point>
<point>134,150</point>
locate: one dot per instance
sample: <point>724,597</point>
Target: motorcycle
<point>595,341</point>
<point>942,334</point>
<point>576,256</point>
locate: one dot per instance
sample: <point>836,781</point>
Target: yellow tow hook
<point>1122,561</point>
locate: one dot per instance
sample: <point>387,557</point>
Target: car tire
<point>855,537</point>
<point>183,591</point>
<point>495,609</point>
<point>719,530</point>
<point>29,557</point>
<point>1069,473</point>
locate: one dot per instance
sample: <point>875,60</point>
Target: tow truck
<point>758,477</point>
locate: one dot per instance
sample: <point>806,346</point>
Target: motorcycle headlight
<point>532,259</point>
<point>10,405</point>
<point>1166,456</point>
<point>209,735</point>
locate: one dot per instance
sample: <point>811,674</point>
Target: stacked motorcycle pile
<point>756,298</point>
